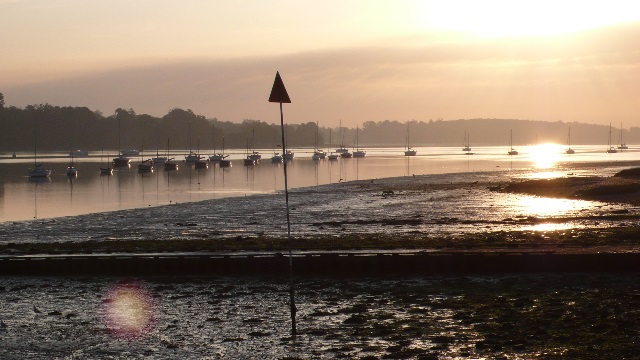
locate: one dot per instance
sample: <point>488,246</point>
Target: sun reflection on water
<point>549,227</point>
<point>549,207</point>
<point>545,156</point>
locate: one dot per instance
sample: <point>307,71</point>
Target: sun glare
<point>545,156</point>
<point>546,207</point>
<point>507,18</point>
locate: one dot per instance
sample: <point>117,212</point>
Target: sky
<point>340,60</point>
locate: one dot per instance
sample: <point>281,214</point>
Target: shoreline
<point>165,231</point>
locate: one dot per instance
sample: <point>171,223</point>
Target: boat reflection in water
<point>543,161</point>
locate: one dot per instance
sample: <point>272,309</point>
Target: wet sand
<point>421,212</point>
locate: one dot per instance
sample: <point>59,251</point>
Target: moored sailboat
<point>466,146</point>
<point>122,160</point>
<point>611,149</point>
<point>409,151</point>
<point>569,149</point>
<point>38,170</point>
<point>622,145</point>
<point>512,151</point>
<point>358,153</point>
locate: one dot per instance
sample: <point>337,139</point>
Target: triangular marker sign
<point>278,92</point>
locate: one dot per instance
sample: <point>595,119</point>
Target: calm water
<point>22,198</point>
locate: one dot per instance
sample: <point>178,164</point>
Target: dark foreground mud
<point>544,316</point>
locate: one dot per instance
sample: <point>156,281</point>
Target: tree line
<point>66,128</point>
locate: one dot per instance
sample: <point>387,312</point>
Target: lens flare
<point>128,310</point>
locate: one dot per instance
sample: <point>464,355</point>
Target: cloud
<point>591,76</point>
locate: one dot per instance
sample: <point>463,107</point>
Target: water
<point>558,315</point>
<point>22,198</point>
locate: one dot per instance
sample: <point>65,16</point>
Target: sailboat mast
<point>35,139</point>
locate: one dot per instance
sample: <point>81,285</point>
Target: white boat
<point>622,145</point>
<point>71,170</point>
<point>409,151</point>
<point>569,149</point>
<point>217,157</point>
<point>201,164</point>
<point>255,156</point>
<point>341,150</point>
<point>160,160</point>
<point>332,156</point>
<point>276,158</point>
<point>611,149</point>
<point>251,159</point>
<point>318,154</point>
<point>145,166</point>
<point>192,157</point>
<point>108,170</point>
<point>122,159</point>
<point>38,170</point>
<point>288,155</point>
<point>512,151</point>
<point>466,147</point>
<point>224,163</point>
<point>358,153</point>
<point>171,164</point>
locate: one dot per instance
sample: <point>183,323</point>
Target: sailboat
<point>159,160</point>
<point>248,160</point>
<point>145,166</point>
<point>466,143</point>
<point>410,151</point>
<point>201,162</point>
<point>108,170</point>
<point>276,158</point>
<point>38,171</point>
<point>122,159</point>
<point>192,157</point>
<point>342,149</point>
<point>569,150</point>
<point>254,155</point>
<point>318,154</point>
<point>332,156</point>
<point>171,163</point>
<point>512,151</point>
<point>622,145</point>
<point>224,163</point>
<point>71,170</point>
<point>216,156</point>
<point>611,149</point>
<point>358,153</point>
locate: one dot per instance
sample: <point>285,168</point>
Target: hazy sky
<point>355,60</point>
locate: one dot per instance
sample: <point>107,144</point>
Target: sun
<point>508,18</point>
<point>545,156</point>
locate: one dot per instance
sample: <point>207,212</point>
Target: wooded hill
<point>68,128</point>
